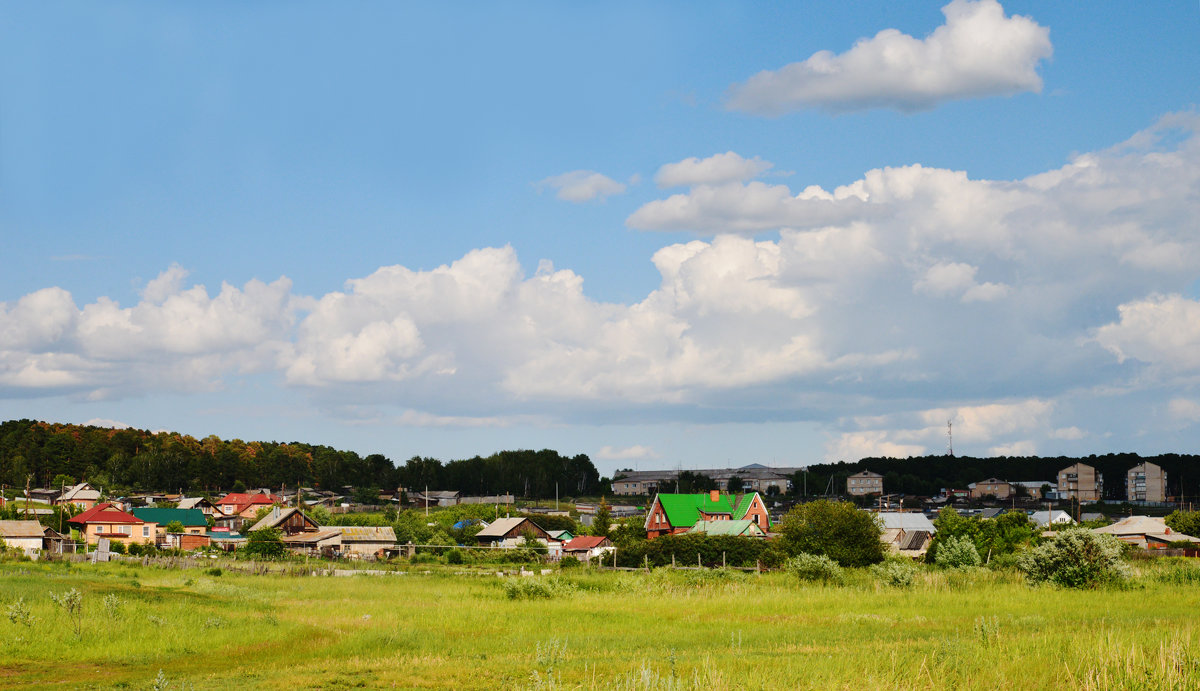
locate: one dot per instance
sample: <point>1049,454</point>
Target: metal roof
<point>21,529</point>
<point>362,533</point>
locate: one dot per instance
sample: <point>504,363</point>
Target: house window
<point>145,531</point>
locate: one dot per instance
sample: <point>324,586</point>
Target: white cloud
<point>1163,330</point>
<point>582,186</point>
<point>954,279</point>
<point>714,170</point>
<point>978,52</point>
<point>1184,409</point>
<point>635,452</point>
<point>853,446</point>
<point>1068,433</point>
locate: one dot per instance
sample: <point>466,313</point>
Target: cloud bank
<point>915,295</point>
<point>978,52</point>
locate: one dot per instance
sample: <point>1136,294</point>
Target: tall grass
<point>663,630</point>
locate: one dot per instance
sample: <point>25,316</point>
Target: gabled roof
<point>905,521</point>
<point>1056,516</point>
<point>104,513</point>
<point>586,542</point>
<point>684,509</point>
<point>274,519</point>
<point>192,502</point>
<point>21,529</point>
<point>81,492</point>
<point>242,498</point>
<point>365,533</point>
<point>190,518</point>
<point>1137,525</point>
<point>501,526</point>
<point>560,534</point>
<point>742,527</point>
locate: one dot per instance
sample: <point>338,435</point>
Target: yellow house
<point>107,521</point>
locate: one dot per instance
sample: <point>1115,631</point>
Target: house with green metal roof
<point>193,520</point>
<point>741,528</point>
<point>671,514</point>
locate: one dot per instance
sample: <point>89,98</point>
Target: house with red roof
<point>671,514</point>
<point>587,547</point>
<point>246,505</point>
<point>107,521</point>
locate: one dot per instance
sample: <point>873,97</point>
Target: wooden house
<point>671,514</point>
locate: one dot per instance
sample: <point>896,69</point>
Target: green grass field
<point>678,630</point>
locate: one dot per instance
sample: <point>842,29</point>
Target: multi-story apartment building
<point>1080,482</point>
<point>755,478</point>
<point>863,483</point>
<point>1146,482</point>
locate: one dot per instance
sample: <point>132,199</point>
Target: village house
<point>586,547</point>
<point>1147,532</point>
<point>508,532</point>
<point>246,505</point>
<point>30,537</point>
<point>289,521</point>
<point>205,506</point>
<point>82,496</point>
<point>106,521</point>
<point>195,526</point>
<point>864,483</point>
<point>991,487</point>
<point>908,533</point>
<point>366,541</point>
<point>672,514</point>
<point>1047,518</point>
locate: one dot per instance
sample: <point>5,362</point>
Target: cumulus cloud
<point>978,52</point>
<point>1184,409</point>
<point>628,453</point>
<point>582,186</point>
<point>1163,330</point>
<point>716,169</point>
<point>1015,449</point>
<point>955,279</point>
<point>103,422</point>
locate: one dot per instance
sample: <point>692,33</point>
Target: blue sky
<point>683,234</point>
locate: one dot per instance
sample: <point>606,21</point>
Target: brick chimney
<point>714,495</point>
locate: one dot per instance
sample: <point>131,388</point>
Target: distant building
<point>991,487</point>
<point>755,477</point>
<point>1146,482</point>
<point>1081,482</point>
<point>678,513</point>
<point>864,483</point>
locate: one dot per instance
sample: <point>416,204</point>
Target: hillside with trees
<point>118,459</point>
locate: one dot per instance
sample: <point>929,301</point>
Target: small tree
<point>837,530</point>
<point>957,552</point>
<point>265,543</point>
<point>602,521</point>
<point>736,484</point>
<point>174,528</point>
<point>72,604</point>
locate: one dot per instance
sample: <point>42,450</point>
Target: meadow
<point>144,627</point>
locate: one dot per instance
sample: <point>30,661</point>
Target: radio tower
<point>950,437</point>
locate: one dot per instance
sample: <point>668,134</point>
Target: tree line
<point>45,453</point>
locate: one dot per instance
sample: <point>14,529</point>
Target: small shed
<point>28,536</point>
<point>587,547</point>
<point>366,541</point>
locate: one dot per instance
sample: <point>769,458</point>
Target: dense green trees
<point>837,530</point>
<point>118,460</point>
<point>1002,535</point>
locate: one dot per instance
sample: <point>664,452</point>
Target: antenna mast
<point>950,437</point>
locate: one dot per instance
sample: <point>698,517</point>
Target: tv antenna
<point>950,437</point>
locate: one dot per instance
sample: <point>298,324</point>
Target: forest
<point>122,459</point>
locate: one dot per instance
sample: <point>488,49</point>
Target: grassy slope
<point>618,631</point>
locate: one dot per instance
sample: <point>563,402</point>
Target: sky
<point>679,234</point>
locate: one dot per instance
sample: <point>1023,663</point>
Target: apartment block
<point>1146,482</point>
<point>1081,482</point>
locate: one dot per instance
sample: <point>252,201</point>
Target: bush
<point>1076,559</point>
<point>957,552</point>
<point>814,567</point>
<point>569,562</point>
<point>134,550</point>
<point>117,547</point>
<point>535,588</point>
<point>265,543</point>
<point>896,573</point>
<point>454,556</point>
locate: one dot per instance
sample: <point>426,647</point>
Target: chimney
<point>714,495</point>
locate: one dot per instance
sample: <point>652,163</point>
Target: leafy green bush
<point>265,543</point>
<point>896,573</point>
<point>454,556</point>
<point>537,588</point>
<point>569,562</point>
<point>814,567</point>
<point>957,552</point>
<point>117,547</point>
<point>1076,559</point>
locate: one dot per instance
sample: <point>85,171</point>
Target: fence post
<point>722,559</point>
